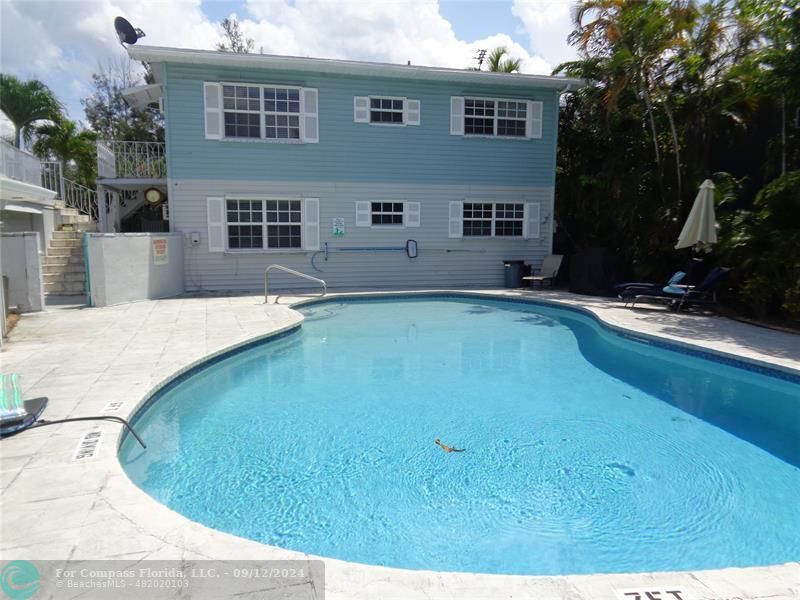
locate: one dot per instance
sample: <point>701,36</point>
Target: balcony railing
<point>20,165</point>
<point>145,160</point>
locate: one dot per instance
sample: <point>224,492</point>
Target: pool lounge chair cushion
<point>33,410</point>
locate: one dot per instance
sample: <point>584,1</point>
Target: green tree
<point>74,149</point>
<point>110,115</point>
<point>500,61</point>
<point>235,40</point>
<point>25,103</point>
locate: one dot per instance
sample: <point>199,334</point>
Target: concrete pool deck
<point>58,509</point>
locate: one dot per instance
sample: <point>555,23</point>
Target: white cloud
<point>62,43</point>
<point>548,23</point>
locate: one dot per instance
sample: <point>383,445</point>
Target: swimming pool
<point>585,452</point>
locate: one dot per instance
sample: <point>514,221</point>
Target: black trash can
<point>512,273</point>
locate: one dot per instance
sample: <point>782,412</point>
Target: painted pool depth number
<point>670,593</point>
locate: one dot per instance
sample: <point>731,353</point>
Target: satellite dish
<point>127,33</point>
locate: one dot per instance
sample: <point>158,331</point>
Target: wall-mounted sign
<point>338,226</point>
<point>160,251</point>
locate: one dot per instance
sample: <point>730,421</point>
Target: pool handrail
<point>291,272</point>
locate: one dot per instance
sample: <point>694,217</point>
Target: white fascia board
<point>155,54</point>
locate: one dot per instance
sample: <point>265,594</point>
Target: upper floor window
<point>386,110</point>
<point>260,112</point>
<point>493,117</point>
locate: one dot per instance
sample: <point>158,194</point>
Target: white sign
<point>338,226</point>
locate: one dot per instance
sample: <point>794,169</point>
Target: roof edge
<point>158,54</point>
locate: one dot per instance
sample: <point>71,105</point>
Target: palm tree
<point>61,140</point>
<point>498,64</point>
<point>24,103</point>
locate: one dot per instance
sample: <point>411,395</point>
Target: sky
<point>62,42</point>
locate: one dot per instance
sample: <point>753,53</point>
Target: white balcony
<point>131,160</point>
<point>19,165</point>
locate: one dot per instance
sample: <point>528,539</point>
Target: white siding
<point>442,262</point>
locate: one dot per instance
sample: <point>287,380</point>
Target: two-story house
<point>368,175</point>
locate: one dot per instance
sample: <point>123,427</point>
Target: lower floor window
<point>251,222</point>
<point>387,213</point>
<point>485,219</point>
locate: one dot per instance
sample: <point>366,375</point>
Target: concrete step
<point>78,227</point>
<point>67,235</point>
<point>76,252</point>
<point>73,242</point>
<point>64,287</point>
<point>63,268</point>
<point>64,277</point>
<point>69,212</point>
<point>52,261</point>
<point>51,294</point>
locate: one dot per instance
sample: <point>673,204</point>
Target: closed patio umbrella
<point>700,227</point>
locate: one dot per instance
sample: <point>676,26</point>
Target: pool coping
<point>568,585</point>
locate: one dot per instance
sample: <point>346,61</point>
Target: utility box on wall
<point>126,267</point>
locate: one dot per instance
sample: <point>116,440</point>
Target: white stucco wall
<point>20,261</point>
<point>126,267</point>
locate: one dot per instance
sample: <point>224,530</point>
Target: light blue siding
<point>357,152</point>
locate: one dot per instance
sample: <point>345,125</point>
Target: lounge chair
<point>16,414</point>
<point>549,271</point>
<point>679,297</point>
<point>628,291</point>
<point>689,274</point>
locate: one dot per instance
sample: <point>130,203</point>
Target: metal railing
<point>19,165</point>
<point>80,197</point>
<point>291,272</point>
<point>131,159</point>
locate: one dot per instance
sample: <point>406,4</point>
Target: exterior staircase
<point>63,268</point>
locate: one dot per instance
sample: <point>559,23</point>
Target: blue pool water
<point>585,451</point>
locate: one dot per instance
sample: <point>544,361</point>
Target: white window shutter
<point>533,125</point>
<point>216,224</point>
<point>212,106</point>
<point>412,110</point>
<point>454,229</point>
<point>363,214</point>
<point>456,115</point>
<point>361,109</point>
<point>412,216</point>
<point>531,224</point>
<point>310,109</point>
<point>311,223</point>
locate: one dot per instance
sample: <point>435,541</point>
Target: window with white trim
<point>264,224</point>
<point>282,113</point>
<point>485,219</point>
<point>387,213</point>
<point>497,118</point>
<point>386,110</point>
<point>242,112</point>
<point>261,112</point>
